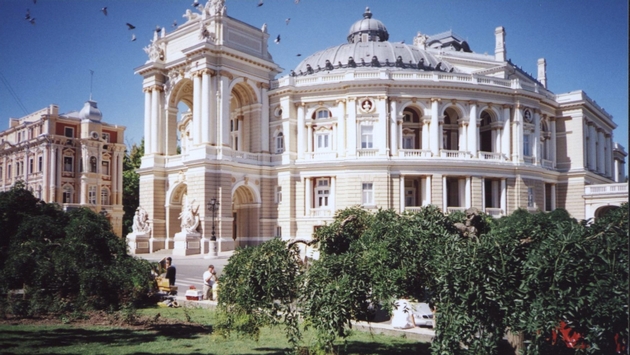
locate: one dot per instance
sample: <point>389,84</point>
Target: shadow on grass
<point>361,347</point>
<point>63,337</point>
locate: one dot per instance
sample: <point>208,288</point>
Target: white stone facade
<point>369,122</point>
<point>72,159</point>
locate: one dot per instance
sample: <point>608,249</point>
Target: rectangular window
<point>67,195</point>
<point>367,139</point>
<point>9,171</point>
<point>323,141</point>
<point>278,194</point>
<point>322,192</point>
<point>31,165</point>
<point>526,146</point>
<point>530,197</point>
<point>105,168</point>
<point>279,232</point>
<point>92,195</point>
<point>279,143</point>
<point>368,193</point>
<point>408,142</point>
<point>40,164</point>
<point>1,176</point>
<point>67,164</point>
<point>68,132</point>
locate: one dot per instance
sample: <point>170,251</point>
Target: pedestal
<point>186,243</point>
<point>213,249</point>
<point>138,242</point>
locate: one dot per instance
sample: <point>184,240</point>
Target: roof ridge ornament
<point>367,13</point>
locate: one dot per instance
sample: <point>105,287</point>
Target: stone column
<point>205,106</point>
<point>333,197</point>
<point>473,132</point>
<point>536,143</point>
<point>462,141</point>
<point>352,126</point>
<point>309,139</point>
<point>224,117</point>
<point>148,140</point>
<point>517,135</point>
<point>155,119</point>
<point>504,196</point>
<point>214,100</point>
<point>380,133</point>
<point>54,166</point>
<point>505,135</point>
<point>393,129</point>
<point>600,152</point>
<point>552,142</point>
<point>444,194</point>
<point>553,197</point>
<point>264,118</point>
<point>428,199</point>
<point>434,138</point>
<point>333,140</point>
<point>468,192</point>
<point>341,129</point>
<point>609,157</point>
<point>592,138</point>
<point>197,108</point>
<point>308,195</point>
<point>402,193</point>
<point>300,131</point>
<point>426,123</point>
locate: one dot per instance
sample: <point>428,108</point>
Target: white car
<point>422,315</point>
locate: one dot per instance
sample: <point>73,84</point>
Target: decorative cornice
<point>226,74</point>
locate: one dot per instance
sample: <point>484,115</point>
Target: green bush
<point>65,262</point>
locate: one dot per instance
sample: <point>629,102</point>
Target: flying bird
<point>174,24</point>
<point>28,14</point>
<point>298,55</point>
<point>297,1</point>
<point>287,20</point>
<point>195,3</point>
<point>158,29</point>
<point>260,3</point>
<point>32,21</point>
<point>277,40</point>
<point>133,37</point>
<point>104,10</point>
<point>131,27</point>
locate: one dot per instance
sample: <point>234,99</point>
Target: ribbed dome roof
<point>368,47</point>
<point>375,29</point>
<point>90,112</point>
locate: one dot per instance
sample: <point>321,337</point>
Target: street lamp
<point>212,206</point>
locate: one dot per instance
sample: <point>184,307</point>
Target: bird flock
<point>31,19</point>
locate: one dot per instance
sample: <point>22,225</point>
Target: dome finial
<point>367,13</point>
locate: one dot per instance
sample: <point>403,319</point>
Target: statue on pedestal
<point>189,217</point>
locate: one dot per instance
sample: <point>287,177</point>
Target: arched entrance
<point>173,209</point>
<point>602,211</point>
<point>245,211</point>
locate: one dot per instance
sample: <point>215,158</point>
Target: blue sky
<point>585,43</point>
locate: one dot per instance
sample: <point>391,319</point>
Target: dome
<point>373,52</point>
<point>90,112</point>
<point>373,29</point>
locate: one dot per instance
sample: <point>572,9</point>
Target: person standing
<point>170,271</point>
<point>209,278</point>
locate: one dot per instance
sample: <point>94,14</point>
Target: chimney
<point>499,49</point>
<point>542,71</point>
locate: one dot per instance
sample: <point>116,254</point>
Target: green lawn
<point>193,335</point>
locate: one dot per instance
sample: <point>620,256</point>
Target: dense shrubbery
<point>64,262</point>
<point>526,272</point>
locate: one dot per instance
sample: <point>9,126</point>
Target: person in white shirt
<point>209,278</point>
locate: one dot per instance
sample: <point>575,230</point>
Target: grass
<point>193,335</point>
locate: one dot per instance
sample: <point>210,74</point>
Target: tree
<point>65,262</point>
<point>131,184</point>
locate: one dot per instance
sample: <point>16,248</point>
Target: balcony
<point>547,164</point>
<point>320,212</point>
<point>456,154</point>
<point>451,209</point>
<point>494,212</point>
<point>491,156</point>
<point>367,153</point>
<point>606,189</point>
<point>414,153</point>
<point>321,155</point>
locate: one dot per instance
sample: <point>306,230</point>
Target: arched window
<point>321,114</point>
<point>105,196</point>
<point>279,143</point>
<point>92,164</point>
<point>68,193</point>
